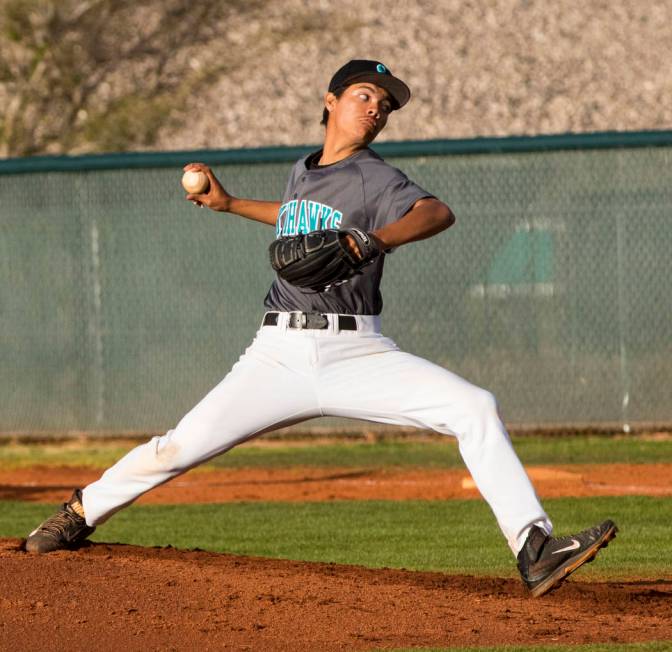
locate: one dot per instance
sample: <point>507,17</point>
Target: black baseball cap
<point>362,70</point>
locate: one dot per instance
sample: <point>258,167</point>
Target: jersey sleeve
<point>291,180</point>
<point>397,199</point>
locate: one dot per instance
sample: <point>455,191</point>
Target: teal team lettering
<point>305,216</point>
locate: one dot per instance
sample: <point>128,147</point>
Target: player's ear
<point>330,101</point>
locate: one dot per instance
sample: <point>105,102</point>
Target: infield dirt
<point>55,484</point>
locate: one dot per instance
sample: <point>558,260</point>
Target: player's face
<point>361,111</point>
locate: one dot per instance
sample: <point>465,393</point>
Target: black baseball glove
<point>319,259</point>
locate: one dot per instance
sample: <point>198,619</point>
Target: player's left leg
<point>377,382</point>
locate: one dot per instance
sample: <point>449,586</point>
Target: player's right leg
<point>269,387</point>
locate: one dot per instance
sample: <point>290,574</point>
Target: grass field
<point>451,536</point>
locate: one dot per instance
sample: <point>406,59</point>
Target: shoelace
<point>559,541</point>
<point>59,522</point>
<point>572,542</point>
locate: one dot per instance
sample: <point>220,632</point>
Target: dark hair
<point>325,114</point>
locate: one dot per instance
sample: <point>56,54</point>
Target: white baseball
<point>195,182</point>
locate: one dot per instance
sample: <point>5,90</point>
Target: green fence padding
<point>121,304</point>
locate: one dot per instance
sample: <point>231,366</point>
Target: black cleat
<point>65,530</point>
<point>544,561</point>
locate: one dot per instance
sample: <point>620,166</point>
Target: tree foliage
<point>102,75</point>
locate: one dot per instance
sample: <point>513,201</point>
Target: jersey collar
<point>362,153</point>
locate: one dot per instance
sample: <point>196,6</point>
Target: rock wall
<point>475,67</point>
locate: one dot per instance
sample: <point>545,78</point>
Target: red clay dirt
<point>116,597</point>
<point>54,484</point>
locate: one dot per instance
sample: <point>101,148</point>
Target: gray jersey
<point>360,191</point>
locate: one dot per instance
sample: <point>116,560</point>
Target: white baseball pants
<point>288,375</point>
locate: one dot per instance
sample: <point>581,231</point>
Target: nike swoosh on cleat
<point>574,546</point>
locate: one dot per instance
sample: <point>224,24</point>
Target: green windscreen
<point>121,304</point>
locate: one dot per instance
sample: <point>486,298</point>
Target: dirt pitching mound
<point>116,597</point>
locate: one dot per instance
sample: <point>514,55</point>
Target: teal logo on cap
<point>381,68</point>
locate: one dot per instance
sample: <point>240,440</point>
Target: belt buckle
<point>301,320</point>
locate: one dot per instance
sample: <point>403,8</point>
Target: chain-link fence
<point>121,304</point>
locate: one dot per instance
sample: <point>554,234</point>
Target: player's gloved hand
<point>319,259</point>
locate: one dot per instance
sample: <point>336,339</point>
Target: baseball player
<point>319,350</point>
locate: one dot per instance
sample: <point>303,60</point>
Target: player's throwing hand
<point>214,196</point>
